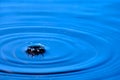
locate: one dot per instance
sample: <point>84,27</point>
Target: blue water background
<point>81,38</point>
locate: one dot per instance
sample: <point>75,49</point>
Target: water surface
<point>81,38</point>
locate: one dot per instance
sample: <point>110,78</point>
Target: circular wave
<point>79,44</point>
<point>63,50</point>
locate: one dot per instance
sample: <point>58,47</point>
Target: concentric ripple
<point>81,38</point>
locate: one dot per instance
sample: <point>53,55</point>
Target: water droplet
<point>35,50</point>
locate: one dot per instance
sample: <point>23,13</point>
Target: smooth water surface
<point>81,38</point>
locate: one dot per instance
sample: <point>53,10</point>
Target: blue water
<point>81,38</point>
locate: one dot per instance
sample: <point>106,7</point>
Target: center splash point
<point>35,50</point>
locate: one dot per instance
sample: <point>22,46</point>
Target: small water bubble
<point>35,50</point>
